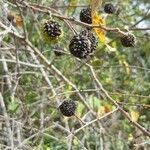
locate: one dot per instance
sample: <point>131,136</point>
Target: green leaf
<point>13,106</point>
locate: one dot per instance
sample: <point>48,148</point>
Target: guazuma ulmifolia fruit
<point>51,30</point>
<point>80,46</point>
<point>68,108</point>
<point>83,44</point>
<point>85,15</point>
<point>109,8</point>
<point>94,43</point>
<point>128,40</point>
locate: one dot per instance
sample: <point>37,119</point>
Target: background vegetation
<point>111,90</point>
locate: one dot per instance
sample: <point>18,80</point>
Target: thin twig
<point>10,141</point>
<point>116,104</point>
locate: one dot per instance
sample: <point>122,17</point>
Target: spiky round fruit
<point>88,34</point>
<point>80,46</point>
<point>109,8</point>
<point>85,15</point>
<point>51,30</point>
<point>128,40</point>
<point>68,108</point>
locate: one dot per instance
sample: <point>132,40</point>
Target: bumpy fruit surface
<point>128,40</point>
<point>68,108</point>
<point>109,8</point>
<point>51,30</point>
<point>80,46</point>
<point>88,34</point>
<point>85,16</point>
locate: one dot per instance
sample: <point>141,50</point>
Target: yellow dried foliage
<point>19,21</point>
<point>99,21</point>
<point>134,115</point>
<point>15,19</point>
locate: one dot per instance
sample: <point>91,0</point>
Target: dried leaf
<point>98,20</point>
<point>108,108</point>
<point>96,4</point>
<point>134,115</point>
<point>15,19</point>
<point>101,110</point>
<point>19,21</point>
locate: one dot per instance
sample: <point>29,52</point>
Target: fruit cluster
<point>51,30</point>
<point>85,15</point>
<point>109,8</point>
<point>83,44</point>
<point>128,40</point>
<point>68,108</point>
